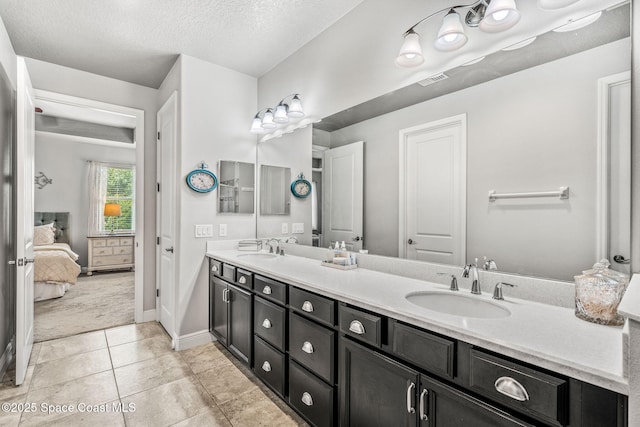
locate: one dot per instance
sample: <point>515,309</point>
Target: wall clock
<point>202,180</point>
<point>301,188</point>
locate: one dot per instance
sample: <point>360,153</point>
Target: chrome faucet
<point>291,239</point>
<point>497,292</point>
<point>473,269</point>
<point>453,286</point>
<point>277,248</point>
<point>489,264</point>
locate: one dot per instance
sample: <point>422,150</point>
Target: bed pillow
<point>44,235</point>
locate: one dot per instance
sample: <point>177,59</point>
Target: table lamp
<point>112,210</point>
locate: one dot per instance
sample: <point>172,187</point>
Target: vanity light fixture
<point>490,16</point>
<point>267,119</point>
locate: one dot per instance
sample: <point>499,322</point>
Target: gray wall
<point>530,131</point>
<point>65,162</point>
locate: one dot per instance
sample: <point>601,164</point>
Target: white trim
<point>602,161</point>
<point>458,120</point>
<point>194,339</point>
<point>139,146</point>
<point>149,315</point>
<point>86,140</point>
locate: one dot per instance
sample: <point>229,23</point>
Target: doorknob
<point>356,239</point>
<point>169,249</point>
<point>412,242</point>
<point>620,259</point>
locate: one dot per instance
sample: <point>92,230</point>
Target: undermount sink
<point>458,305</point>
<point>257,255</point>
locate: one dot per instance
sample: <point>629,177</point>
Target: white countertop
<point>544,335</point>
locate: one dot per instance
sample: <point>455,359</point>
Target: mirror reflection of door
<point>433,191</point>
<point>275,196</point>
<point>236,188</point>
<point>342,188</point>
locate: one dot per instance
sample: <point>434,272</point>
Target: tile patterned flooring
<point>133,366</point>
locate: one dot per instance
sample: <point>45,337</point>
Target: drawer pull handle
<point>242,280</point>
<point>266,366</point>
<point>266,324</point>
<point>307,306</point>
<point>511,388</point>
<point>307,347</point>
<point>410,389</point>
<point>266,290</point>
<point>214,268</point>
<point>423,398</point>
<point>357,327</point>
<point>307,399</point>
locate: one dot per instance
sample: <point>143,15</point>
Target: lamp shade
<point>500,16</point>
<point>280,115</point>
<point>256,125</point>
<point>112,209</point>
<point>411,52</point>
<point>295,108</point>
<point>267,120</point>
<point>451,35</point>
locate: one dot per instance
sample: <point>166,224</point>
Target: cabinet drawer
<point>112,260</point>
<point>428,351</point>
<point>270,289</point>
<point>358,324</point>
<point>315,306</point>
<point>313,346</point>
<point>102,251</point>
<point>126,241</point>
<point>269,365</point>
<point>122,250</point>
<point>113,242</point>
<point>529,391</point>
<point>215,267</point>
<point>229,272</point>
<point>98,243</point>
<point>310,396</point>
<point>244,278</point>
<point>269,322</point>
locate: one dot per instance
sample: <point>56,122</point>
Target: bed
<point>55,266</point>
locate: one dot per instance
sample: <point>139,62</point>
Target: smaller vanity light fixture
<point>288,109</point>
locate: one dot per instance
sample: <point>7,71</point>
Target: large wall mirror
<point>275,197</point>
<point>236,188</point>
<point>553,114</point>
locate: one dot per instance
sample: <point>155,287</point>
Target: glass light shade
<point>451,35</point>
<point>579,23</point>
<point>267,120</point>
<point>411,52</point>
<point>112,209</point>
<point>280,115</point>
<point>519,45</point>
<point>500,16</point>
<point>554,4</point>
<point>256,125</point>
<point>295,108</point>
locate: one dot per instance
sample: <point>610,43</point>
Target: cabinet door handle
<point>307,347</point>
<point>266,290</point>
<point>307,399</point>
<point>225,296</point>
<point>266,366</point>
<point>242,280</point>
<point>307,306</point>
<point>511,388</point>
<point>410,389</point>
<point>423,400</point>
<point>357,327</point>
<point>266,324</point>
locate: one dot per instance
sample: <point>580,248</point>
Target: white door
<point>24,219</point>
<point>165,301</point>
<point>433,191</point>
<point>342,187</point>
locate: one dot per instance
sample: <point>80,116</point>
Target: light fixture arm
<point>411,29</point>
<point>292,95</point>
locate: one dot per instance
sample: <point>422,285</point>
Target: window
<point>111,184</point>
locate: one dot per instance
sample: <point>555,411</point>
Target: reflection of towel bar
<point>562,193</point>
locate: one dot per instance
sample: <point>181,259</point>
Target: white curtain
<point>97,196</point>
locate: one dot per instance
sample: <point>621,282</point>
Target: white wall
<point>68,81</point>
<point>65,161</point>
<point>538,132</point>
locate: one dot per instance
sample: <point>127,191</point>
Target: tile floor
<point>133,367</point>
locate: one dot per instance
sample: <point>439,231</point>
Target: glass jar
<point>598,293</point>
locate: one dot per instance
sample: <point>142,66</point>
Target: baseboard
<point>149,315</point>
<point>6,358</point>
<point>194,339</point>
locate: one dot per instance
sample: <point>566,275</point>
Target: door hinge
<point>157,240</point>
<point>158,184</point>
<point>158,136</point>
<point>157,292</point>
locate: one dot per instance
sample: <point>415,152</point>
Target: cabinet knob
<point>242,280</point>
<point>266,324</point>
<point>511,388</point>
<point>214,268</point>
<point>266,290</point>
<point>357,327</point>
<point>307,306</point>
<point>307,399</point>
<point>266,366</point>
<point>307,347</point>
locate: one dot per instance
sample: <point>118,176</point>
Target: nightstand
<point>110,252</point>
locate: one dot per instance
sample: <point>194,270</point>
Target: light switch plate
<point>285,228</point>
<point>222,230</point>
<point>297,228</point>
<point>204,230</point>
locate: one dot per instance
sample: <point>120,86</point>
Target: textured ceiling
<point>138,41</point>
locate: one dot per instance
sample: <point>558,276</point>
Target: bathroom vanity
<point>356,348</point>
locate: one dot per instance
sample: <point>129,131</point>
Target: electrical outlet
<point>222,231</point>
<point>297,228</point>
<point>285,228</point>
